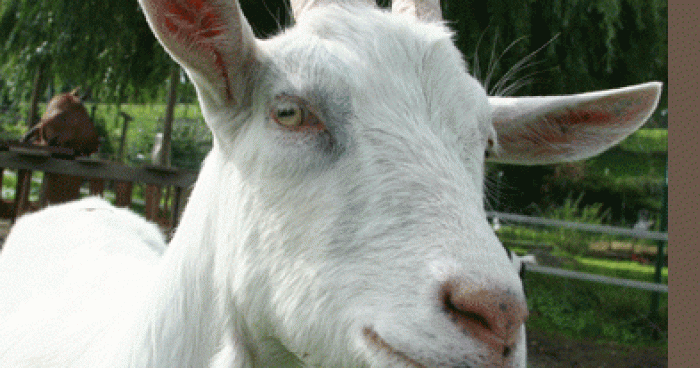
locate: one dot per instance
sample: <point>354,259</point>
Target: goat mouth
<point>380,344</point>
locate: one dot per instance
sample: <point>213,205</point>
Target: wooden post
<point>97,186</point>
<point>60,188</point>
<point>122,143</point>
<point>6,209</point>
<point>123,190</point>
<point>22,188</point>
<point>154,193</point>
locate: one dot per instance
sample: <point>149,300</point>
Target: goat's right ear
<point>212,41</point>
<point>546,130</point>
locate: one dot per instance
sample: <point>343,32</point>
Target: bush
<point>530,190</point>
<point>191,141</point>
<point>573,241</point>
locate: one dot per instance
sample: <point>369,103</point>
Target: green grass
<point>647,140</point>
<point>583,309</point>
<point>644,154</point>
<point>606,267</point>
<point>592,310</point>
<point>622,269</point>
<point>580,308</point>
<point>9,183</point>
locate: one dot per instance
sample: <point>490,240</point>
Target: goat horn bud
<point>300,6</point>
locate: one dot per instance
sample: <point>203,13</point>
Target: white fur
<point>292,244</point>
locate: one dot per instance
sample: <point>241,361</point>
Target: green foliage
<point>586,309</point>
<point>102,44</point>
<point>622,196</point>
<point>10,126</point>
<point>107,44</point>
<point>191,142</point>
<point>647,141</point>
<point>573,241</point>
<point>625,179</point>
<point>630,270</point>
<point>595,44</point>
<point>191,139</point>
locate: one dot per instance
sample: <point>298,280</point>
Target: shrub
<point>529,190</point>
<point>191,141</point>
<point>573,241</point>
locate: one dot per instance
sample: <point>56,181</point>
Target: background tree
<point>104,45</point>
<point>595,44</point>
<point>583,44</point>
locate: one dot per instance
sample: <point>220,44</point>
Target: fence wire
<point>602,229</point>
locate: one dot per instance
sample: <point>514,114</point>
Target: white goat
<point>338,220</point>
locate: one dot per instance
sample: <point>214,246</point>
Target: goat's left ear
<point>211,40</point>
<point>545,130</point>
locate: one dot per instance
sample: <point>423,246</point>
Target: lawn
<point>642,154</point>
<point>583,309</point>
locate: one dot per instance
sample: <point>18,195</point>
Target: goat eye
<point>288,114</point>
<point>294,114</point>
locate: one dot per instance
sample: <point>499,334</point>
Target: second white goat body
<point>71,275</point>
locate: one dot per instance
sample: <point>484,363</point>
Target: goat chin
<point>338,220</point>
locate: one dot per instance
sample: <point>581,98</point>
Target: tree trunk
<point>169,112</point>
<point>36,92</point>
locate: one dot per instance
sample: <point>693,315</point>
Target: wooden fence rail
<point>63,176</point>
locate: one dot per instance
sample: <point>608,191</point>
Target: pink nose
<point>493,317</point>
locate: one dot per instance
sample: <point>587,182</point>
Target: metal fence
<point>661,238</point>
<point>600,229</point>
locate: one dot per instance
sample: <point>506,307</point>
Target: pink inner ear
<point>559,134</point>
<point>195,22</point>
<point>194,13</point>
<point>609,111</point>
<point>586,117</point>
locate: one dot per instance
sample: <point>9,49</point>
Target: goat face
<point>367,208</point>
<point>342,199</point>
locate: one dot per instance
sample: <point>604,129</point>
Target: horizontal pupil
<point>285,113</point>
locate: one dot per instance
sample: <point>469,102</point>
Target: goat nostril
<point>458,314</point>
<point>492,317</point>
